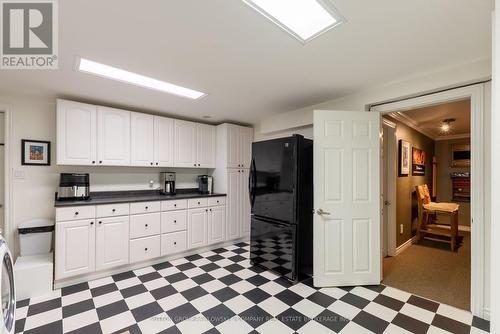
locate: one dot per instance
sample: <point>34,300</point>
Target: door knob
<point>321,212</point>
<point>387,203</point>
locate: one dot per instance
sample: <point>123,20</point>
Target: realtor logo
<point>29,34</point>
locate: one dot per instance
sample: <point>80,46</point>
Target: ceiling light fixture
<point>446,126</point>
<point>303,19</point>
<point>110,72</point>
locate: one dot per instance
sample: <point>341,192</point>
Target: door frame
<point>389,212</point>
<point>476,95</point>
<point>7,234</point>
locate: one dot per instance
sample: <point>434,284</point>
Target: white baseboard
<point>486,313</point>
<point>404,246</point>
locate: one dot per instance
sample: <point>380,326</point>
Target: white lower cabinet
<point>145,232</point>
<point>145,248</point>
<point>75,248</point>
<point>172,243</point>
<point>145,225</point>
<point>197,227</point>
<point>112,242</point>
<point>216,224</point>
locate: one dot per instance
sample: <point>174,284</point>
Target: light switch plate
<point>19,174</point>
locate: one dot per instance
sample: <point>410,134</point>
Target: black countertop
<point>114,197</point>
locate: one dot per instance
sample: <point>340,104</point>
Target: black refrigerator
<point>281,195</point>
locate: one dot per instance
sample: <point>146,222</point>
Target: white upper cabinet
<point>234,145</point>
<point>113,137</point>
<point>205,146</point>
<point>76,133</point>
<point>142,139</point>
<point>185,145</point>
<point>163,141</point>
<point>93,135</point>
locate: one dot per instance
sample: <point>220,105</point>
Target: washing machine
<point>7,290</point>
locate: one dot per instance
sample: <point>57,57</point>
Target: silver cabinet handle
<point>321,212</point>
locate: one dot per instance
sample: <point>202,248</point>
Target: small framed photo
<point>35,152</point>
<point>418,162</point>
<point>404,158</point>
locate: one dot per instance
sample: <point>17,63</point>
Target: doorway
<point>473,96</point>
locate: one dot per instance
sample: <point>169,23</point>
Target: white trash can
<point>35,236</point>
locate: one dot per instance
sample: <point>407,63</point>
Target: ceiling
<point>429,120</point>
<point>250,68</point>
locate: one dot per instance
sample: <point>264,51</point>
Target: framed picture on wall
<point>404,158</point>
<point>418,162</point>
<point>35,153</point>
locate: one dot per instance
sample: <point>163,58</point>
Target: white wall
<point>33,195</point>
<point>300,121</point>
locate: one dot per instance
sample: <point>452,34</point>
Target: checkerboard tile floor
<point>220,292</point>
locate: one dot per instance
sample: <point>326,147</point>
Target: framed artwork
<point>418,162</point>
<point>404,158</point>
<point>35,152</point>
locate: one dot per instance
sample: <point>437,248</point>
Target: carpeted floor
<point>430,269</point>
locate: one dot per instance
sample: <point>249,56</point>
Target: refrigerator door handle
<point>252,182</point>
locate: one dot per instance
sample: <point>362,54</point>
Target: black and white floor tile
<point>220,292</point>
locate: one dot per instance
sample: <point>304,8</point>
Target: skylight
<point>304,19</point>
<point>110,72</point>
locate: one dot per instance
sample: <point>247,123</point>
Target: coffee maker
<point>205,184</point>
<point>73,186</point>
<point>167,183</point>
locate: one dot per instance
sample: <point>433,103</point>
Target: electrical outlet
<point>401,229</point>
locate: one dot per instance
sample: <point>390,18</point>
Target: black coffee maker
<point>167,183</point>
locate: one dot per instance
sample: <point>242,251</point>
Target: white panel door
<point>164,142</point>
<point>113,137</point>
<point>75,248</point>
<point>141,139</point>
<point>244,203</point>
<point>233,146</point>
<point>112,242</point>
<point>76,133</point>
<point>246,139</point>
<point>197,227</point>
<point>233,203</point>
<point>346,198</point>
<point>185,144</point>
<point>205,146</point>
<point>216,228</point>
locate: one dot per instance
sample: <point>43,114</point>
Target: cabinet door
<point>216,224</point>
<point>76,133</point>
<point>197,227</point>
<point>233,204</point>
<point>113,137</point>
<point>141,139</point>
<point>205,146</point>
<point>233,146</point>
<point>244,203</point>
<point>164,142</point>
<point>112,242</point>
<point>246,138</point>
<point>184,144</point>
<point>75,248</point>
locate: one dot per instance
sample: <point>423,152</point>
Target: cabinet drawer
<point>145,225</point>
<point>215,201</point>
<point>173,242</point>
<point>144,207</point>
<point>145,248</point>
<point>112,210</point>
<point>173,221</point>
<point>75,212</point>
<point>174,205</point>
<point>197,203</point>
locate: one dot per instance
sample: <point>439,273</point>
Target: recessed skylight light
<point>304,19</point>
<point>110,72</point>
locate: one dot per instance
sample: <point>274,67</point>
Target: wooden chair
<point>428,209</point>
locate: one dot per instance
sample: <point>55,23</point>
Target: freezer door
<point>273,247</point>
